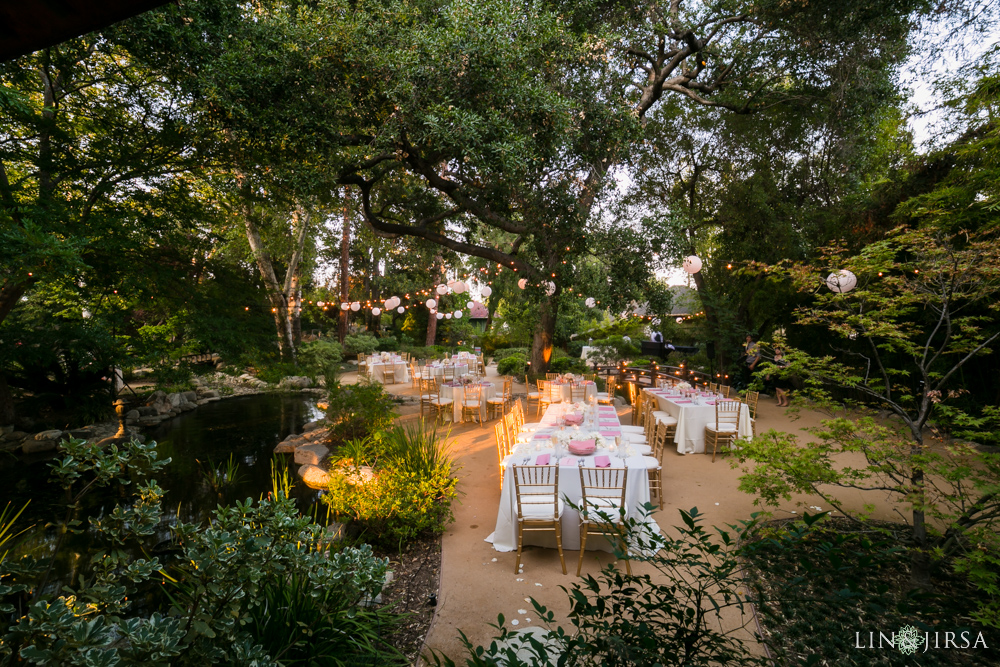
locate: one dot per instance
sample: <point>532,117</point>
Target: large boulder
<point>316,436</point>
<point>147,411</point>
<point>32,446</point>
<point>284,448</point>
<point>190,396</point>
<point>295,382</point>
<point>55,435</point>
<point>16,436</point>
<point>159,401</point>
<point>312,426</point>
<point>310,454</point>
<point>208,393</point>
<point>314,476</point>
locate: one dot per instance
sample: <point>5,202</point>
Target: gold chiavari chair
<point>428,394</point>
<point>726,391</point>
<point>607,397</point>
<point>602,507</point>
<point>414,375</point>
<point>655,470</point>
<point>497,404</point>
<point>538,505</point>
<point>533,394</point>
<point>551,376</point>
<point>751,399</point>
<point>472,404</point>
<point>577,392</point>
<point>442,406</point>
<point>723,431</point>
<point>503,446</point>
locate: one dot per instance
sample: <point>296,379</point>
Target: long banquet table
<point>504,537</point>
<point>692,419</point>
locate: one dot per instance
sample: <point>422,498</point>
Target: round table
<point>378,369</point>
<point>457,394</point>
<point>438,371</point>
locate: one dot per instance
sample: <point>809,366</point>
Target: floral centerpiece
<point>684,386</point>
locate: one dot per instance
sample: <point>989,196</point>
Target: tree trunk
<point>275,294</point>
<point>432,321</point>
<point>345,263</point>
<point>541,346</point>
<point>920,557</point>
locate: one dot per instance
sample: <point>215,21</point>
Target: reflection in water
<point>246,427</point>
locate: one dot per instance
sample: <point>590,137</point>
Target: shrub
<point>512,365</point>
<point>355,344</point>
<point>410,494</point>
<point>357,411</point>
<point>273,372</point>
<point>319,356</point>
<point>614,349</point>
<point>388,344</point>
<point>502,354</point>
<point>574,348</point>
<point>567,365</point>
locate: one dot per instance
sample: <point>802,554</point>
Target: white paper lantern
<point>391,302</point>
<point>486,291</point>
<point>401,310</point>
<point>430,303</point>
<point>522,283</point>
<point>459,287</point>
<point>550,288</point>
<point>458,314</point>
<point>447,316</point>
<point>376,311</point>
<point>345,306</point>
<point>442,289</point>
<point>591,302</point>
<point>440,316</point>
<point>841,281</point>
<point>356,306</point>
<point>320,304</point>
<point>470,305</point>
<point>692,264</point>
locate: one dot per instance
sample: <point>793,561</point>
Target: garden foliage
<point>357,411</point>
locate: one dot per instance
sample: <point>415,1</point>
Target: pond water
<point>246,428</point>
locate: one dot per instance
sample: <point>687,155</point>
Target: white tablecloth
<point>692,419</point>
<point>457,394</point>
<point>504,537</point>
<point>590,391</point>
<point>378,371</point>
<point>438,371</point>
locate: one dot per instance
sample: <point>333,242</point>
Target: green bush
<point>273,372</point>
<point>512,365</point>
<point>357,411</point>
<point>574,348</point>
<point>355,344</point>
<point>500,355</point>
<point>319,356</point>
<point>410,494</point>
<point>567,365</point>
<point>388,344</point>
<point>614,349</point>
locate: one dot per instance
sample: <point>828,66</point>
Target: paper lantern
<point>320,304</point>
<point>550,288</point>
<point>591,302</point>
<point>486,291</point>
<point>391,302</point>
<point>679,320</point>
<point>458,314</point>
<point>356,306</point>
<point>841,281</point>
<point>442,289</point>
<point>376,311</point>
<point>470,305</point>
<point>345,306</point>
<point>430,303</point>
<point>459,287</point>
<point>522,283</point>
<point>440,316</point>
<point>401,310</point>
<point>692,264</point>
<point>447,316</point>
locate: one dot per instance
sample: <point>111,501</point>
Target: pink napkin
<point>567,461</point>
<point>709,402</point>
<point>684,401</point>
<point>542,437</point>
<point>542,460</point>
<point>602,462</point>
<point>607,409</point>
<point>610,434</point>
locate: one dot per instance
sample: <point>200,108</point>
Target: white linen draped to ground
<point>402,372</point>
<point>692,420</point>
<point>457,394</point>
<point>504,537</point>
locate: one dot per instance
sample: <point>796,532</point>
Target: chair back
<point>503,442</point>
<point>610,386</point>
<point>727,412</point>
<point>577,392</point>
<point>555,392</point>
<point>659,443</point>
<point>726,390</point>
<point>551,376</point>
<point>473,393</point>
<point>449,372</point>
<point>602,484</point>
<point>751,399</point>
<point>428,387</point>
<point>713,387</point>
<point>537,489</point>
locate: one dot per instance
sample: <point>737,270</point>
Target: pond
<point>245,428</point>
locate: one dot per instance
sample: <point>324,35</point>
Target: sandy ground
<point>478,583</point>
